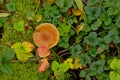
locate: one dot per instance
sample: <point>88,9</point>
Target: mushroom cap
<point>47,35</point>
<point>43,65</point>
<point>43,51</point>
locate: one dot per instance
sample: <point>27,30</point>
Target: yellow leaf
<point>80,7</point>
<point>4,14</point>
<point>69,60</point>
<point>38,18</point>
<point>76,12</point>
<point>71,66</point>
<point>24,56</point>
<point>28,47</point>
<point>79,4</point>
<point>79,28</point>
<point>77,63</point>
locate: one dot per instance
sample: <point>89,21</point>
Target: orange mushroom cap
<point>42,51</point>
<point>43,65</point>
<point>47,35</point>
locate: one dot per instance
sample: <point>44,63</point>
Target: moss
<point>25,71</point>
<point>11,36</point>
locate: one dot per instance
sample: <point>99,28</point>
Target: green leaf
<point>30,15</point>
<point>112,36</point>
<point>64,29</point>
<point>63,42</point>
<point>96,24</point>
<point>11,6</point>
<point>55,66</point>
<point>97,66</point>
<point>19,26</point>
<point>103,77</point>
<point>0,61</point>
<point>118,22</point>
<point>98,11</point>
<point>93,2</point>
<point>114,75</point>
<point>93,12</point>
<point>75,51</point>
<point>88,77</point>
<point>8,54</point>
<point>4,15</point>
<point>85,59</point>
<point>115,64</point>
<point>82,73</point>
<point>67,5</point>
<point>91,39</point>
<point>102,44</point>
<point>64,67</point>
<point>2,20</point>
<point>107,21</point>
<point>6,69</point>
<point>59,3</point>
<point>86,28</point>
<point>93,52</point>
<point>111,11</point>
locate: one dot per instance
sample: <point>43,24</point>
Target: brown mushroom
<point>43,51</point>
<point>43,65</point>
<point>47,35</point>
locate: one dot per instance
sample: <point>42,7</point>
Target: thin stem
<point>66,49</point>
<point>56,55</point>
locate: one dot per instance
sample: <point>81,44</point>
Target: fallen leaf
<point>80,7</point>
<point>79,28</point>
<point>76,12</point>
<point>4,14</point>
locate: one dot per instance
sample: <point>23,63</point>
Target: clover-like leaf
<point>114,75</point>
<point>11,6</point>
<point>55,66</point>
<point>8,54</point>
<point>112,36</point>
<point>64,67</point>
<point>85,59</point>
<point>82,73</point>
<point>75,51</point>
<point>91,39</point>
<point>6,69</point>
<point>60,3</point>
<point>93,2</point>
<point>97,66</point>
<point>118,21</point>
<point>115,64</point>
<point>96,24</point>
